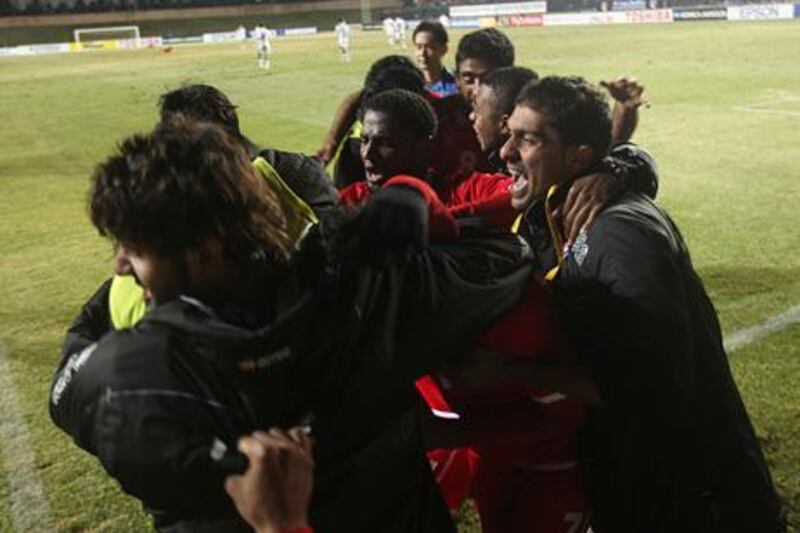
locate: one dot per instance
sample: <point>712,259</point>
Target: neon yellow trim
<point>558,240</point>
<point>552,273</point>
<point>299,216</point>
<point>353,133</point>
<point>126,302</point>
<point>517,223</point>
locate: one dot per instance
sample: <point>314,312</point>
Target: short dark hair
<point>489,45</point>
<point>506,83</point>
<point>411,111</point>
<point>434,28</point>
<point>393,72</point>
<point>575,108</point>
<point>185,181</point>
<point>201,102</point>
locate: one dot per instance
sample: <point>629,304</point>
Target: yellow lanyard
<point>558,241</point>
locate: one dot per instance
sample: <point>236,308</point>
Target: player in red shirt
<point>533,440</point>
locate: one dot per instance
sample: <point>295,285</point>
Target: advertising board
<point>525,20</point>
<point>498,10</point>
<point>699,13</point>
<point>761,12</point>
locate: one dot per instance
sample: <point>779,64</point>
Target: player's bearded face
<point>535,156</point>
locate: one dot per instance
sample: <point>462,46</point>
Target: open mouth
<point>520,184</point>
<point>372,176</point>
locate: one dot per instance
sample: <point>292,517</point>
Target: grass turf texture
<point>723,126</point>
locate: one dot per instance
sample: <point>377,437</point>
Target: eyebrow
<point>523,131</point>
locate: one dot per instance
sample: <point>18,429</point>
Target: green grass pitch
<point>724,125</point>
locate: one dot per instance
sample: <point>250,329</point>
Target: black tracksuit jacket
<point>672,449</point>
<point>339,340</point>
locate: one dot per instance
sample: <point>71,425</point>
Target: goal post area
<point>87,36</point>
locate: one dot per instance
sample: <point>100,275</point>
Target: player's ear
<point>504,125</point>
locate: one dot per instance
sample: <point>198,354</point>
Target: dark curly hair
<point>201,102</point>
<point>186,181</point>
<point>506,83</point>
<point>489,45</point>
<point>393,72</point>
<point>575,108</point>
<point>435,29</point>
<point>408,110</point>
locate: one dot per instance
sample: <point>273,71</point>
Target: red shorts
<point>454,470</point>
<point>512,500</point>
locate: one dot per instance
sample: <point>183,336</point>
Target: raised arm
<point>628,97</point>
<point>342,120</point>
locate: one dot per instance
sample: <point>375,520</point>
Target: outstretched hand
<point>627,92</point>
<point>274,493</point>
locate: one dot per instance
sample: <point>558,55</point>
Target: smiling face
<point>428,53</point>
<point>489,128</point>
<point>535,155</point>
<point>386,149</point>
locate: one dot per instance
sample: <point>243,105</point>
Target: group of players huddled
<point>478,299</point>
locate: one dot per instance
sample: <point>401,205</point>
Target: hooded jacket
<point>342,342</point>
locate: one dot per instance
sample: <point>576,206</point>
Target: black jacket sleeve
<point>307,178</point>
<point>93,321</point>
<point>149,412</point>
<point>633,168</point>
<point>411,317</point>
<point>624,294</point>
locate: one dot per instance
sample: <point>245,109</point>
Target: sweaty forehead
<point>528,120</point>
<point>425,38</point>
<point>376,123</point>
<point>473,66</point>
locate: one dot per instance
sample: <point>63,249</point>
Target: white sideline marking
<point>29,508</point>
<point>768,106</point>
<point>746,336</point>
<point>751,109</point>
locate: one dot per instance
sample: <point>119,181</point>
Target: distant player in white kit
<point>388,28</point>
<point>400,31</point>
<point>343,39</point>
<point>262,36</point>
<point>241,33</point>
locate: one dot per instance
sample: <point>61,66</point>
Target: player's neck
<point>433,75</point>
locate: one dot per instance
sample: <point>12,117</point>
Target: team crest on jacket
<point>580,248</point>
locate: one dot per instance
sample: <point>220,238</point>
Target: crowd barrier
<point>522,14</point>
